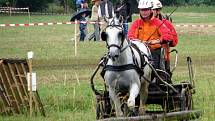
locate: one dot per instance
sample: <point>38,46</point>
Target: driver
<point>151,30</point>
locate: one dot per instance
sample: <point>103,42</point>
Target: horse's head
<point>114,37</point>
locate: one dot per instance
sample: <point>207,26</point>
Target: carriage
<point>178,100</point>
<point>166,100</point>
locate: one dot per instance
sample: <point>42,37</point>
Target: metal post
<point>29,16</point>
<point>10,11</point>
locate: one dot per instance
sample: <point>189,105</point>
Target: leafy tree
<point>11,3</point>
<point>34,5</point>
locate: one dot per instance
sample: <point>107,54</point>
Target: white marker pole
<point>30,56</point>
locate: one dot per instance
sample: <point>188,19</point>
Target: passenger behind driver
<point>157,6</point>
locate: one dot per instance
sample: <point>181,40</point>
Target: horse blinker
<point>104,36</point>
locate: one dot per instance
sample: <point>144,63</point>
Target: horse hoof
<point>142,111</point>
<point>131,103</point>
<point>120,114</point>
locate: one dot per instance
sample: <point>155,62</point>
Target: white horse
<point>124,71</point>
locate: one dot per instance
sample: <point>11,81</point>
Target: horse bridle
<point>114,45</point>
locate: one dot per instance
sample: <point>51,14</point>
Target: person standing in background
<point>105,11</point>
<point>83,21</point>
<point>123,9</point>
<point>95,18</point>
<point>79,4</point>
<point>83,26</point>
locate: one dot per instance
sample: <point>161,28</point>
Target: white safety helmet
<point>145,4</point>
<point>156,4</point>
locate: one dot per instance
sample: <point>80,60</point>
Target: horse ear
<point>121,20</point>
<point>104,36</point>
<point>106,20</point>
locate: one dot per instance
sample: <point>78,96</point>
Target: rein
<point>123,49</point>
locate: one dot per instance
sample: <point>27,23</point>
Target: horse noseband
<point>114,45</point>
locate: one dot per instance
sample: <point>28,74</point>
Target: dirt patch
<point>202,29</point>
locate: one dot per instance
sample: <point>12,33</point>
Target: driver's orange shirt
<point>149,31</point>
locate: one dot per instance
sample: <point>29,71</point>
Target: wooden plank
<point>35,103</point>
<point>15,99</point>
<point>3,102</point>
<point>30,83</point>
<point>40,105</point>
<point>34,100</point>
<point>6,88</point>
<point>6,111</point>
<point>3,96</point>
<point>181,115</point>
<point>14,83</point>
<point>3,88</point>
<point>18,87</point>
<point>24,69</point>
<point>21,76</point>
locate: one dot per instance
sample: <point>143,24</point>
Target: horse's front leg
<point>116,101</point>
<point>133,93</point>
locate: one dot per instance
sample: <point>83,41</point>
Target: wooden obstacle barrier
<point>14,94</point>
<point>172,116</point>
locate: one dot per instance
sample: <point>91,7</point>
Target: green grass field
<point>63,77</point>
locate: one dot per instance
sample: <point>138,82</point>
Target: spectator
<point>83,26</point>
<point>80,4</point>
<point>105,11</point>
<point>123,9</point>
<point>95,18</point>
<point>83,20</point>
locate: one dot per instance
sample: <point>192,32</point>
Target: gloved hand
<point>165,41</point>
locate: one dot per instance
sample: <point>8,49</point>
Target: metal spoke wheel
<point>103,107</point>
<point>99,110</point>
<point>186,101</point>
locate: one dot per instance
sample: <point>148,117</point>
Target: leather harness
<point>127,66</point>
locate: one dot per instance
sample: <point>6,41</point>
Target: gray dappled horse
<point>126,69</point>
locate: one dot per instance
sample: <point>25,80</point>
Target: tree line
<point>36,5</point>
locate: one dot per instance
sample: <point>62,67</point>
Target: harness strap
<point>142,55</point>
<point>123,68</point>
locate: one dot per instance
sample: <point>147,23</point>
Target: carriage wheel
<point>168,105</point>
<point>103,108</point>
<point>186,102</point>
<point>129,112</point>
<point>99,110</point>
